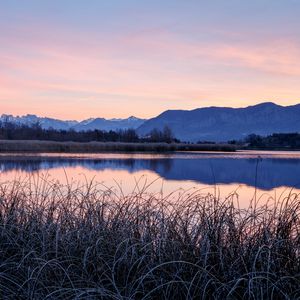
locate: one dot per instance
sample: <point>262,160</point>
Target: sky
<point>75,59</point>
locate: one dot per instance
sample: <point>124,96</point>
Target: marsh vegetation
<point>90,241</point>
<point>96,147</point>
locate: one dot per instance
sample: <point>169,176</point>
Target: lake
<point>247,174</point>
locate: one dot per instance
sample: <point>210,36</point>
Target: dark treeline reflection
<point>270,172</point>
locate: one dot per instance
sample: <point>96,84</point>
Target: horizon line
<point>141,118</point>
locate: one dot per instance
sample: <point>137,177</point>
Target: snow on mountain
<point>42,121</point>
<point>88,124</point>
<point>109,124</point>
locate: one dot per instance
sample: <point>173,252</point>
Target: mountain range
<point>85,125</point>
<point>202,124</point>
<point>225,123</point>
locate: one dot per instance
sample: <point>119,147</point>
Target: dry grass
<point>94,147</point>
<point>89,242</point>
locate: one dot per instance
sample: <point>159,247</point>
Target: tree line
<point>272,141</point>
<point>13,131</point>
<point>275,140</point>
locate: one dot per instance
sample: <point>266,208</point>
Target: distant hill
<point>111,124</point>
<point>89,124</point>
<point>224,123</point>
<point>202,124</point>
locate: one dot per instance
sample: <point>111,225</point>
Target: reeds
<point>91,242</point>
<point>94,147</point>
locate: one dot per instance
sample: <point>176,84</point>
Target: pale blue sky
<point>77,59</point>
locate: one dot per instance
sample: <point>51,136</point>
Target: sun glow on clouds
<point>71,73</point>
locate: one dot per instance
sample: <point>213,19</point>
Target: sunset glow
<point>70,60</point>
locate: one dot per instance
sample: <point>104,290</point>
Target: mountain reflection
<point>271,172</point>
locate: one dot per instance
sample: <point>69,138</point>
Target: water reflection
<point>267,173</point>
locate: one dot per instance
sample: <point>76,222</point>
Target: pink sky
<point>62,66</point>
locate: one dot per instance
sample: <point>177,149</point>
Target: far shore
<point>98,147</point>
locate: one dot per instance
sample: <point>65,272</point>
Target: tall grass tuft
<point>90,242</point>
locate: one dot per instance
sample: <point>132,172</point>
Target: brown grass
<point>94,147</point>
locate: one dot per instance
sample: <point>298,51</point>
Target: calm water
<point>274,174</point>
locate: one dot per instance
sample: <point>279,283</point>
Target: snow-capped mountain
<point>111,124</point>
<point>88,124</point>
<point>42,121</point>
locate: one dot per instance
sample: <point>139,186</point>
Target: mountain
<point>89,124</point>
<point>202,124</point>
<point>224,123</point>
<point>111,124</point>
<point>33,119</point>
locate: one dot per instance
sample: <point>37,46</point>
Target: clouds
<point>120,62</point>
